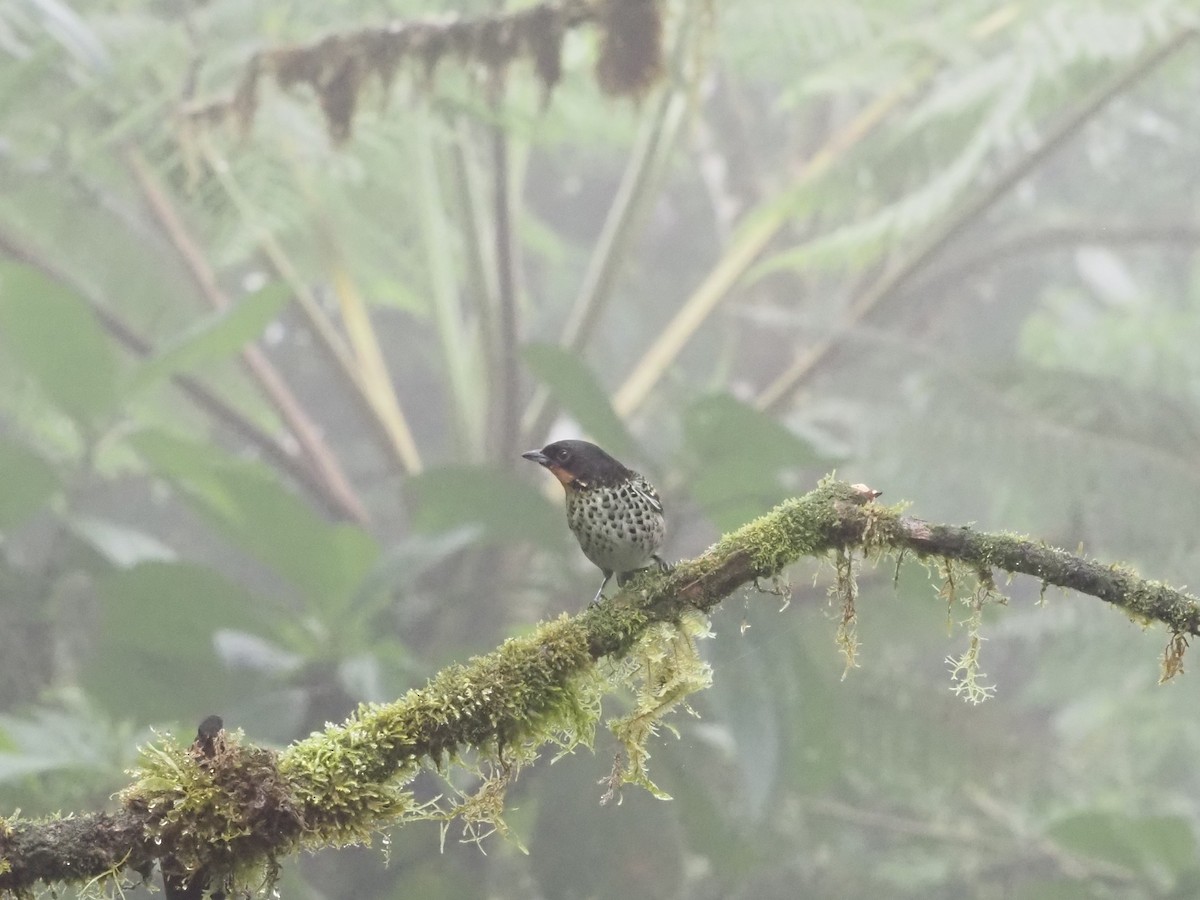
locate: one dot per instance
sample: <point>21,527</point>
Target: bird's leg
<point>600,593</point>
<point>659,563</point>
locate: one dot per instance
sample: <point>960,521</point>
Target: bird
<point>614,512</point>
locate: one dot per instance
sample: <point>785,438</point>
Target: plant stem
<point>776,395</point>
<point>273,386</point>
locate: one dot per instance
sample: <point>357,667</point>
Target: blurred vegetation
<point>264,395</point>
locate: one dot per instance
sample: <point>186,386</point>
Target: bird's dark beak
<point>537,456</point>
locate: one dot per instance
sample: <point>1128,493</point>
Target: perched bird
<point>613,511</point>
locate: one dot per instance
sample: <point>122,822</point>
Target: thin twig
<point>209,402</point>
<point>622,226</point>
<point>382,408</point>
<point>654,146</point>
<point>762,226</point>
<point>776,395</point>
<point>460,342</point>
<point>508,380</point>
<point>1058,237</point>
<point>302,795</point>
<point>269,380</point>
<point>371,366</point>
<point>479,245</point>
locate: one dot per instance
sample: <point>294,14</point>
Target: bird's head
<point>578,464</point>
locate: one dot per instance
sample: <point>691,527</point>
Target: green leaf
<point>54,337</point>
<point>156,658</point>
<point>1142,843</point>
<point>710,829</point>
<point>1054,889</point>
<point>738,457</point>
<point>118,543</point>
<point>719,427</point>
<point>260,516</point>
<point>509,510</point>
<point>17,83</point>
<point>399,568</point>
<point>28,483</point>
<point>576,389</point>
<point>70,736</point>
<point>732,493</point>
<point>214,337</point>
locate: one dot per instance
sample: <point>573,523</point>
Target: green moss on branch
<point>231,815</point>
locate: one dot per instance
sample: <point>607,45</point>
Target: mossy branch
<point>225,812</point>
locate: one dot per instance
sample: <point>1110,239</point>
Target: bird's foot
<point>659,565</point>
<point>600,591</point>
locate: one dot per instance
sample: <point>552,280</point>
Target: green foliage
<point>66,737</point>
<point>58,344</point>
<point>666,668</point>
<point>1158,847</point>
<point>1034,370</point>
<point>739,459</point>
<point>576,389</point>
<point>796,528</point>
<point>67,753</point>
<point>245,503</point>
<point>972,113</point>
<point>231,811</point>
<point>965,673</point>
<point>30,482</point>
<point>159,619</point>
<point>223,816</point>
<point>214,338</point>
<point>120,545</point>
<point>506,508</point>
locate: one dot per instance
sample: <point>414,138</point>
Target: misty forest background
<point>947,249</point>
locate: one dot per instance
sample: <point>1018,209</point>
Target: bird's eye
<point>564,454</point>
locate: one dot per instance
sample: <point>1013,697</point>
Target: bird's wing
<point>646,490</point>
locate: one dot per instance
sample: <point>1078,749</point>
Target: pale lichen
<point>965,674</point>
<point>844,591</point>
<point>228,816</point>
<point>1172,657</point>
<point>664,670</point>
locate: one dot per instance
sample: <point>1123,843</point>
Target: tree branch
<point>231,810</point>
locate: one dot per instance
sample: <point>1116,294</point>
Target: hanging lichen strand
<point>226,814</point>
<point>336,67</point>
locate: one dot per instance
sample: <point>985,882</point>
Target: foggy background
<point>946,249</point>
